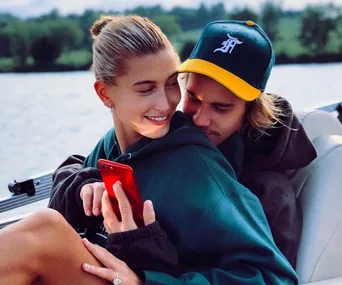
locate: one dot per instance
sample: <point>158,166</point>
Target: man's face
<point>213,108</point>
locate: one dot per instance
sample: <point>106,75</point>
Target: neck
<point>126,137</point>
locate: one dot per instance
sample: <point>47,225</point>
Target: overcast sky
<point>38,7</point>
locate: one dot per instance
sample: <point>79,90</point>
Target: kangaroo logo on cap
<point>228,45</point>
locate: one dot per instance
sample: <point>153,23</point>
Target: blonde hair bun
<point>99,25</point>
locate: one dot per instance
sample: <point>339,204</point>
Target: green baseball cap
<point>236,54</point>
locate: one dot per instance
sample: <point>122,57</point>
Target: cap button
<point>250,23</point>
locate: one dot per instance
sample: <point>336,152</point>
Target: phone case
<point>114,171</point>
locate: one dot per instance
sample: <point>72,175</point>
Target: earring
<point>110,106</point>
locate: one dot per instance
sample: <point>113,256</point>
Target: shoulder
<point>102,149</point>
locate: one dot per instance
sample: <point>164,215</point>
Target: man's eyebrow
<point>151,81</point>
<point>192,93</point>
<point>225,105</point>
<point>172,75</point>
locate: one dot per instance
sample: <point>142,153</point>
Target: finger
<point>98,191</point>
<point>148,213</point>
<point>102,255</point>
<point>108,229</point>
<point>87,197</point>
<point>111,221</point>
<point>125,208</point>
<point>104,273</point>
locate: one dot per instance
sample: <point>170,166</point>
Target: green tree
<point>168,24</point>
<point>6,19</point>
<point>52,16</point>
<point>243,14</point>
<point>44,50</point>
<point>317,22</point>
<point>218,12</point>
<point>187,50</point>
<point>5,46</point>
<point>21,35</point>
<point>150,12</point>
<point>185,17</point>
<point>270,15</point>
<point>203,15</point>
<point>65,33</point>
<point>85,21</point>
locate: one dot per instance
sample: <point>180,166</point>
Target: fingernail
<point>96,211</point>
<point>88,213</point>
<point>116,186</point>
<point>86,266</point>
<point>149,204</point>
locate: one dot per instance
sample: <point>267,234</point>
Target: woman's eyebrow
<point>151,81</point>
<point>143,82</point>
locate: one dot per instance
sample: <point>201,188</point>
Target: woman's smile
<point>159,120</point>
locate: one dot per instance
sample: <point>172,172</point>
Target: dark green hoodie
<point>218,226</point>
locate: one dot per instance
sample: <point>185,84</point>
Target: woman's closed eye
<point>146,91</point>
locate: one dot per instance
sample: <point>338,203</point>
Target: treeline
<point>64,42</point>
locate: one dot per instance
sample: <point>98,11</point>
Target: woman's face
<point>146,97</point>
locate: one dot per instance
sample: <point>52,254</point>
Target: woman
<point>216,225</point>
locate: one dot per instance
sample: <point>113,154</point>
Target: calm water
<point>46,117</point>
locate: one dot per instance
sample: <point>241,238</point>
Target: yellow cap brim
<point>229,80</point>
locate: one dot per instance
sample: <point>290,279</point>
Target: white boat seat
<point>319,188</point>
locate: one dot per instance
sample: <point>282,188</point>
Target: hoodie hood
<point>285,147</point>
<point>182,132</point>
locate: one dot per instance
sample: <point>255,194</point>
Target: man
<point>223,84</point>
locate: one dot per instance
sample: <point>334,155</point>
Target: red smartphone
<point>114,171</point>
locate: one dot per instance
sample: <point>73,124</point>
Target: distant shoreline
<point>281,59</point>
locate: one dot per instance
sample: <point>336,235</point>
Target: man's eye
<point>192,97</point>
<point>221,109</point>
<point>173,84</point>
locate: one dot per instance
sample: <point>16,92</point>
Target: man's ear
<point>102,90</point>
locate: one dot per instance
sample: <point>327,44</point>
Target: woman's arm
<point>72,177</point>
<point>68,181</point>
<point>145,248</point>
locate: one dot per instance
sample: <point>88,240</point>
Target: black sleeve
<point>67,182</point>
<point>282,209</point>
<point>146,248</point>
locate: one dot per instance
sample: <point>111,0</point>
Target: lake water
<point>45,117</point>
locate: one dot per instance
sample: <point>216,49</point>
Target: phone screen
<point>114,171</point>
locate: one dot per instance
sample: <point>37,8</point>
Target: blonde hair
<point>118,38</point>
<point>262,114</point>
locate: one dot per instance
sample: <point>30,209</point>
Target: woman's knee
<point>46,219</point>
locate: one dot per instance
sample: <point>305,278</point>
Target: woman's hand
<point>91,195</point>
<point>115,270</point>
<point>111,221</point>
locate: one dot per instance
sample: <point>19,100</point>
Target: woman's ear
<point>102,90</point>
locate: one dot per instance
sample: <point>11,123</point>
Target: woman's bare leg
<point>44,249</point>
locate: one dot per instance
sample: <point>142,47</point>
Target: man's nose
<point>201,118</point>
